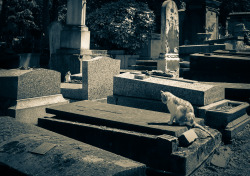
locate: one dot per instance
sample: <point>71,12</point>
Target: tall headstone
<point>97,77</point>
<point>169,57</point>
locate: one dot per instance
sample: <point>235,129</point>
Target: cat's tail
<point>203,129</point>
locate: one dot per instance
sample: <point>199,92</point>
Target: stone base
<point>73,36</point>
<point>30,109</point>
<point>72,91</point>
<point>169,63</point>
<point>234,127</point>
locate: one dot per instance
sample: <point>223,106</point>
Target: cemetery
<point>82,109</point>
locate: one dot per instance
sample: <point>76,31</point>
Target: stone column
<point>169,57</point>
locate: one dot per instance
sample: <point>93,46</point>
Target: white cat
<point>181,111</point>
<point>67,77</point>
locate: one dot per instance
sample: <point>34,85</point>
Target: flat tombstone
<point>98,76</point>
<point>169,59</point>
<point>19,84</point>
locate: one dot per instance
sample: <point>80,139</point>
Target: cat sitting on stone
<point>67,77</point>
<point>182,112</point>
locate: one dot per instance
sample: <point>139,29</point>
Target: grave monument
<point>24,94</point>
<point>169,58</point>
<point>74,41</point>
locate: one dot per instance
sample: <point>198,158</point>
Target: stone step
<point>30,150</point>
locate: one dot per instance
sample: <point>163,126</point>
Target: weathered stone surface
<point>98,73</point>
<point>169,59</point>
<point>21,84</point>
<point>149,149</point>
<point>169,27</point>
<point>67,157</point>
<point>187,138</point>
<point>196,93</point>
<point>122,117</point>
<point>234,127</point>
<point>219,119</point>
<point>137,134</point>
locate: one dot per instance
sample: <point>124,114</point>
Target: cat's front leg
<point>171,120</point>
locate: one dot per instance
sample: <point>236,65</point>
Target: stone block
<point>234,127</point>
<point>196,93</point>
<point>98,73</point>
<point>218,117</point>
<point>22,84</point>
<point>30,109</point>
<point>67,157</point>
<point>187,138</point>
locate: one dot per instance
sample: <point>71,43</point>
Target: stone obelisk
<point>169,57</point>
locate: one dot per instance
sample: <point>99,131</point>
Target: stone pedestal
<point>75,37</point>
<point>169,63</point>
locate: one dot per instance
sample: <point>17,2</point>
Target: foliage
<point>121,25</point>
<point>20,15</point>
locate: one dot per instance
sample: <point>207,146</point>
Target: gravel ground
<point>239,161</point>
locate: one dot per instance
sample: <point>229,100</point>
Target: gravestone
<point>24,94</point>
<point>55,29</point>
<point>169,58</point>
<point>97,77</point>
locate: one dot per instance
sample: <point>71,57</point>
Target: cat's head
<point>165,96</point>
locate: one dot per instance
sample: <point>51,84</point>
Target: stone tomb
<point>145,93</point>
<point>29,150</point>
<point>24,94</point>
<point>141,135</point>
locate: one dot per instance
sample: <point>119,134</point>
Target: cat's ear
<point>162,92</point>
